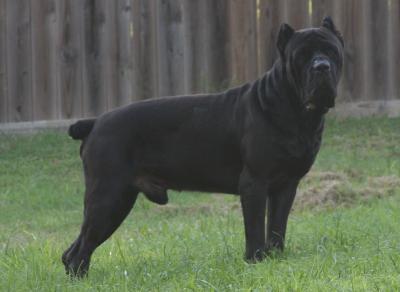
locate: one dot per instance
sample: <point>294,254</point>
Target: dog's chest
<point>299,153</point>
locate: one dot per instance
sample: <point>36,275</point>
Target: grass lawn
<point>343,234</point>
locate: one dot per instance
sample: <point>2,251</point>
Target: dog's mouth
<point>320,94</point>
<point>321,99</point>
<point>312,107</point>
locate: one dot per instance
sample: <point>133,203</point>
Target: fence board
<point>243,30</point>
<point>110,42</point>
<point>145,84</point>
<point>349,20</point>
<point>379,32</point>
<point>19,67</point>
<point>70,58</point>
<point>95,87</point>
<point>124,64</point>
<point>297,13</point>
<point>170,47</point>
<point>362,48</point>
<point>378,28</point>
<point>394,50</point>
<point>193,45</point>
<point>44,82</point>
<point>270,15</point>
<point>3,66</point>
<point>215,15</point>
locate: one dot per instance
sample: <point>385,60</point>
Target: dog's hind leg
<point>107,203</point>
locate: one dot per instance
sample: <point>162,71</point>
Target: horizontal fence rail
<point>65,59</point>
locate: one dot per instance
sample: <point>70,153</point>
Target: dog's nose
<point>321,65</point>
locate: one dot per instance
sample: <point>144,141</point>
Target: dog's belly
<point>196,166</point>
<point>225,181</point>
<point>203,160</point>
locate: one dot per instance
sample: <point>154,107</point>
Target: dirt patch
<point>324,176</point>
<point>330,189</point>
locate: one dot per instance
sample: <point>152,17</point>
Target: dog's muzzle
<point>321,65</point>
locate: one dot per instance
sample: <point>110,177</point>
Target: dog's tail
<point>81,129</point>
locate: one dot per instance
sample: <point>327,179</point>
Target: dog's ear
<point>327,22</point>
<point>285,34</point>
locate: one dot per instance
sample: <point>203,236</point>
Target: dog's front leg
<point>280,201</point>
<point>253,197</point>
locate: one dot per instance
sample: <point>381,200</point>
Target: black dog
<point>257,140</point>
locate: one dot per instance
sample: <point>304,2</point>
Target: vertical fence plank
<point>252,40</point>
<point>269,23</point>
<point>111,43</point>
<point>193,74</point>
<point>44,81</point>
<point>95,90</point>
<point>243,30</point>
<point>394,50</point>
<point>350,17</point>
<point>364,50</point>
<point>215,16</point>
<point>204,37</point>
<point>19,67</point>
<point>297,13</point>
<point>3,66</point>
<point>144,46</point>
<point>124,61</point>
<point>379,32</point>
<point>70,58</point>
<point>347,27</point>
<point>170,47</point>
<point>163,48</point>
<point>349,21</point>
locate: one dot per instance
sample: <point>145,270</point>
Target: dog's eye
<point>305,53</point>
<point>332,53</point>
<point>303,56</point>
<point>300,60</point>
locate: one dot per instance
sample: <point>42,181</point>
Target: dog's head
<point>312,60</point>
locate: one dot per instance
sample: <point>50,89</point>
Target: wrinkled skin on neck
<point>281,103</point>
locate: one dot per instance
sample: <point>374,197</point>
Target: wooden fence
<point>63,59</point>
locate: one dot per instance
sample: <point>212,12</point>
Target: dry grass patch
<point>331,189</point>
